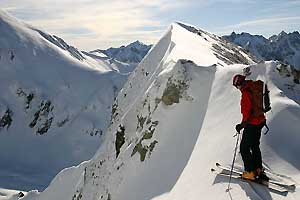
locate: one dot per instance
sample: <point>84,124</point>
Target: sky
<point>100,24</point>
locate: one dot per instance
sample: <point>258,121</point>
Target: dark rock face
<point>43,115</point>
<point>6,119</point>
<point>120,139</point>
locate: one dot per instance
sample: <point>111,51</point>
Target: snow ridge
<point>62,44</point>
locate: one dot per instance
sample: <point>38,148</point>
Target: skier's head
<point>238,80</point>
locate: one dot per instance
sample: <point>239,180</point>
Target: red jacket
<point>246,107</point>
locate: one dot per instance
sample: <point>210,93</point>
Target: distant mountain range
<point>132,53</point>
<point>284,47</point>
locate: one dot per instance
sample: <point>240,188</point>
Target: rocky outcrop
<point>6,119</point>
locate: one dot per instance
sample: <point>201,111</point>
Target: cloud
<point>269,21</point>
<point>264,26</point>
<point>90,24</point>
<point>96,20</point>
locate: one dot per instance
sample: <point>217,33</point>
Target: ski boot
<point>260,174</point>
<point>248,175</point>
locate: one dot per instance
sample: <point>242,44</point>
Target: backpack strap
<point>265,125</point>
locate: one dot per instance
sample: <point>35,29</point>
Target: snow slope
<point>175,118</point>
<point>111,63</point>
<point>10,194</point>
<point>54,107</point>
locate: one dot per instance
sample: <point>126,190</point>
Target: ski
<point>283,183</point>
<point>270,186</point>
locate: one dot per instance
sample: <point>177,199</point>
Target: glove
<point>239,127</point>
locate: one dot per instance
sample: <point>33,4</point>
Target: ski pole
<point>237,141</point>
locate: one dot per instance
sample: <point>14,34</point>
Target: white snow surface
<point>6,194</point>
<point>36,73</point>
<point>177,112</point>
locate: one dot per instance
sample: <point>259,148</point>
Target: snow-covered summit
<point>54,107</point>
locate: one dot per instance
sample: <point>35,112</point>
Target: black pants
<point>249,147</point>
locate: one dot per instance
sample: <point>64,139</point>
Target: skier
<point>252,123</point>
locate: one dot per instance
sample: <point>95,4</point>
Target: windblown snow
<point>175,118</point>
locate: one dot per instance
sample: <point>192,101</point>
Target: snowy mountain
<point>284,47</point>
<point>55,104</point>
<point>131,54</point>
<point>175,118</point>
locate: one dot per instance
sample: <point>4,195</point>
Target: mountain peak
<point>233,34</point>
<point>137,42</point>
<point>282,33</point>
<point>132,53</point>
<point>189,27</point>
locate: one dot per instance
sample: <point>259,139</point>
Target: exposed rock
<point>114,112</point>
<point>141,121</point>
<point>143,149</point>
<point>296,75</point>
<point>6,119</point>
<point>229,57</point>
<point>120,139</point>
<point>174,91</point>
<point>45,127</point>
<point>42,116</point>
<point>171,94</point>
<point>27,97</point>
